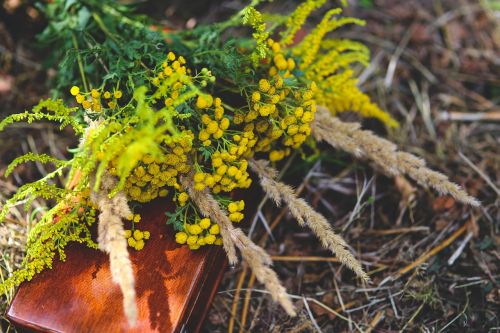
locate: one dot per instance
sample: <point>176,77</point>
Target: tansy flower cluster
<point>226,174</point>
<point>280,109</point>
<point>135,237</point>
<point>92,100</point>
<point>152,175</point>
<point>235,210</point>
<point>213,127</point>
<point>203,232</point>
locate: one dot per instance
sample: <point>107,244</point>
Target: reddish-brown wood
<point>174,287</point>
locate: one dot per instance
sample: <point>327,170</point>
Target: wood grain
<point>174,287</point>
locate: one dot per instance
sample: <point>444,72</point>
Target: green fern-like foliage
<point>253,18</point>
<point>49,109</point>
<point>49,237</point>
<point>31,157</point>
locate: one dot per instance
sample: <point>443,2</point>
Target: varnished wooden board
<point>174,287</point>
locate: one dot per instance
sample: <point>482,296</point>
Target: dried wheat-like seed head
<point>361,143</point>
<point>256,257</point>
<point>306,215</point>
<point>111,239</point>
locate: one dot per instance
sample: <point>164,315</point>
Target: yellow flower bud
<point>214,229</point>
<point>131,242</point>
<point>264,85</point>
<point>74,90</point>
<point>139,245</point>
<point>217,162</point>
<point>199,186</point>
<point>212,127</point>
<point>183,197</point>
<point>205,223</point>
<point>191,240</point>
<point>210,239</point>
<point>276,47</point>
<point>224,124</point>
<point>181,237</point>
<point>199,177</point>
<point>194,229</point>
<point>307,117</point>
<point>232,207</point>
<point>209,181</point>
<point>138,235</point>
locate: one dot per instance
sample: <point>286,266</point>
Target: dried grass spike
<point>256,257</point>
<point>111,239</point>
<point>208,206</point>
<point>306,215</point>
<point>384,154</point>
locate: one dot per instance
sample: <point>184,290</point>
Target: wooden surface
<point>174,287</point>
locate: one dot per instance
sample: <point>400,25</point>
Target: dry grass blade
<point>246,303</point>
<point>256,257</point>
<point>111,239</point>
<point>362,143</point>
<point>424,257</point>
<point>236,298</point>
<point>306,215</point>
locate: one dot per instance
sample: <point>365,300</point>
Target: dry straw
<point>256,257</point>
<point>111,239</point>
<point>361,143</point>
<point>305,215</point>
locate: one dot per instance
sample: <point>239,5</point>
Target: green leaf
<point>83,17</point>
<point>69,3</point>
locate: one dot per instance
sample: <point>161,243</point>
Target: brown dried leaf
<point>443,203</point>
<point>406,189</point>
<point>6,83</point>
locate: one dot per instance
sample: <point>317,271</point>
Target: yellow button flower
<point>74,90</point>
<point>205,223</point>
<point>214,229</point>
<point>264,85</point>
<point>181,237</point>
<point>191,240</point>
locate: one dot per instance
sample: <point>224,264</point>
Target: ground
<point>433,262</point>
